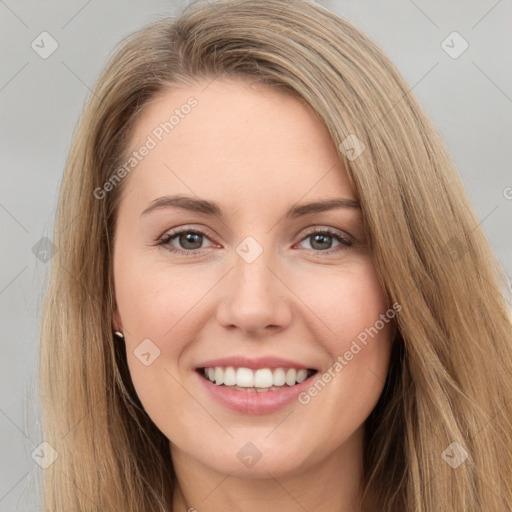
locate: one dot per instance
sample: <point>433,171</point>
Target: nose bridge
<point>255,298</point>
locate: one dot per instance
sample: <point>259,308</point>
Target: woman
<point>258,369</point>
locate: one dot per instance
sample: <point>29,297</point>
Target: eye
<point>321,240</point>
<point>190,239</point>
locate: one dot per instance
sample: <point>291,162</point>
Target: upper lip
<point>255,363</point>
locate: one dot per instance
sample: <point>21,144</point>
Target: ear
<point>118,324</point>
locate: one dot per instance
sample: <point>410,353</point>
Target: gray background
<point>468,98</point>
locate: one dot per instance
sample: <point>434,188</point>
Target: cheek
<point>343,302</point>
<point>156,300</point>
<point>355,330</point>
<point>160,324</point>
<point>162,307</point>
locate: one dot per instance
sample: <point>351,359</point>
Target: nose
<point>255,298</point>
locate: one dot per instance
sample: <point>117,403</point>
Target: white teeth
<point>229,376</point>
<point>244,377</point>
<point>301,375</point>
<point>290,377</point>
<point>279,377</point>
<point>219,376</point>
<point>262,379</point>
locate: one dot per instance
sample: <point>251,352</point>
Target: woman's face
<point>249,285</point>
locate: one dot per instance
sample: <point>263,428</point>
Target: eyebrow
<point>211,208</point>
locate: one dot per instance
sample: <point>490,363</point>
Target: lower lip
<point>255,402</point>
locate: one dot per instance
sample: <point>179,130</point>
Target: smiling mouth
<point>261,380</point>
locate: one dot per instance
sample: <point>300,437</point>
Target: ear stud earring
<point>119,334</point>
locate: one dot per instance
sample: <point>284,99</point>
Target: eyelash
<point>166,239</point>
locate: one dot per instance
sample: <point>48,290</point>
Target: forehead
<point>237,141</point>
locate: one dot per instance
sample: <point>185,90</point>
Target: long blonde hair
<point>451,368</point>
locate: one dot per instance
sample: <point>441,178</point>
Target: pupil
<point>189,237</point>
<point>321,237</point>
